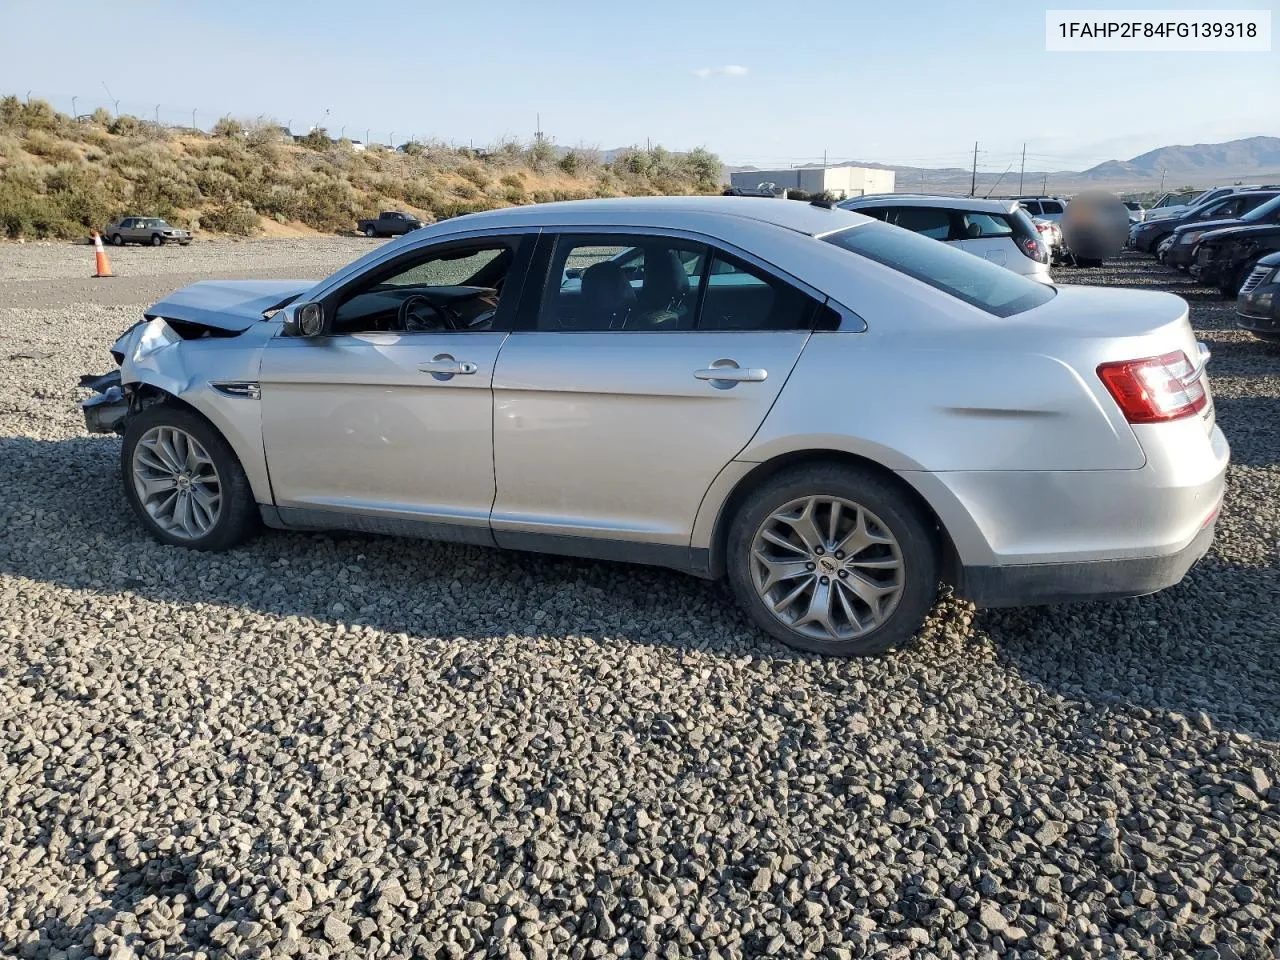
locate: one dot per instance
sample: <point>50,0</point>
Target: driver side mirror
<point>306,320</point>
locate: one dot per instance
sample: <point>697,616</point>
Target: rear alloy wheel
<point>184,482</point>
<point>833,560</point>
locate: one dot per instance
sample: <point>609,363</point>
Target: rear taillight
<point>1155,389</point>
<point>1033,248</point>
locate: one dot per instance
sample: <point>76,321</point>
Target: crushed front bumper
<point>105,411</point>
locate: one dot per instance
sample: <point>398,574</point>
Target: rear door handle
<point>725,373</point>
<point>444,366</point>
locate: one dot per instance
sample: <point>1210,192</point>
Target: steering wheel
<point>408,320</point>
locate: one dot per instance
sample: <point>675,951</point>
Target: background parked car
<point>151,230</point>
<point>1208,196</point>
<point>1051,234</point>
<point>1258,310</point>
<point>1148,236</point>
<point>1182,250</point>
<point>1045,208</point>
<point>1137,213</point>
<point>389,223</point>
<point>996,230</point>
<point>1225,258</point>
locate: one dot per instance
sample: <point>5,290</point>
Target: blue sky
<point>907,82</point>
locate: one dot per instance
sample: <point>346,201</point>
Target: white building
<point>841,181</point>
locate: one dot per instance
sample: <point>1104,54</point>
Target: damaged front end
<point>203,314</point>
<point>106,410</point>
<point>116,396</point>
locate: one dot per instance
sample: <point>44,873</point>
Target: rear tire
<point>158,448</point>
<point>891,558</point>
<point>117,240</point>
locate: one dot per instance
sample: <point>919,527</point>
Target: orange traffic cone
<point>100,254</point>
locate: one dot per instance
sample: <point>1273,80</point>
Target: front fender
<point>193,370</point>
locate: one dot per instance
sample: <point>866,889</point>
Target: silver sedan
<point>833,413</point>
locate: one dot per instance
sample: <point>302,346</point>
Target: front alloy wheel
<point>184,480</point>
<point>177,482</point>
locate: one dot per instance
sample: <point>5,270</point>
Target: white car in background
<point>1000,231</point>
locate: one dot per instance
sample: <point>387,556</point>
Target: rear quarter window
<point>974,280</point>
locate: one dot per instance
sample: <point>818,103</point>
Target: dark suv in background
<point>1224,258</point>
<point>1182,251</point>
<point>1151,232</point>
<point>1259,308</point>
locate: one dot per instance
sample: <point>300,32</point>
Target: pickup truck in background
<point>389,223</point>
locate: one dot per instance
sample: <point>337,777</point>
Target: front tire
<point>370,232</point>
<point>157,240</point>
<point>184,481</point>
<point>833,560</point>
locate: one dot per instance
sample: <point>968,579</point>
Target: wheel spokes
<point>177,482</point>
<point>827,568</point>
<point>779,570</point>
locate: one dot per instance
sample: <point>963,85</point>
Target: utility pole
<point>74,112</point>
<point>824,159</point>
<point>366,136</point>
<point>973,181</point>
<point>157,114</point>
<point>392,143</point>
<point>1023,169</point>
<point>922,181</point>
<point>1044,186</point>
<point>537,134</point>
<point>193,119</point>
<point>1162,172</point>
<point>111,98</point>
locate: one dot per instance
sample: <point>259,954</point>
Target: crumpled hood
<point>233,305</point>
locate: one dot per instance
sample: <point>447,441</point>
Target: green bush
<point>541,154</point>
<point>570,163</point>
<point>126,125</point>
<point>228,127</point>
<point>51,148</point>
<point>233,218</point>
<point>475,174</point>
<point>317,139</point>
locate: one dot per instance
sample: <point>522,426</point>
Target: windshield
<point>966,277</point>
<point>1264,212</point>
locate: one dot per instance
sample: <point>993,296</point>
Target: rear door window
<point>1051,206</point>
<point>984,226</point>
<point>1031,206</point>
<point>926,221</point>
<point>974,280</point>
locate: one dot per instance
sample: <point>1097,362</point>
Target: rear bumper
<point>1029,537</point>
<point>1040,583</point>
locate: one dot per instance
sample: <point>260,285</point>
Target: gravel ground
<point>339,746</point>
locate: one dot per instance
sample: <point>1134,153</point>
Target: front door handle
<point>444,366</point>
<point>725,373</point>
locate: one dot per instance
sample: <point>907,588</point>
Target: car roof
<point>797,215</point>
<point>972,204</point>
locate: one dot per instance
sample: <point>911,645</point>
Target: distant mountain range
<point>1199,165</point>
